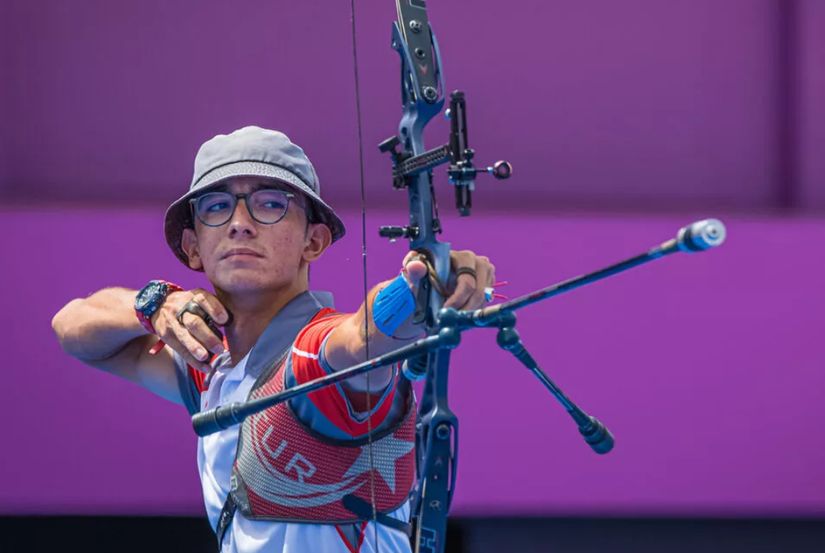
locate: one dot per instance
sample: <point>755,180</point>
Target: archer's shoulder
<point>320,325</point>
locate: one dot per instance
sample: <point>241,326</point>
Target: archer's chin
<point>241,280</point>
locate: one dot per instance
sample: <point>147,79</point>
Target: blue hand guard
<point>393,305</point>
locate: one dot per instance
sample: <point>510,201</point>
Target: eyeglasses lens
<point>266,206</point>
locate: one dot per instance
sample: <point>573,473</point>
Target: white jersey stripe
<point>301,353</point>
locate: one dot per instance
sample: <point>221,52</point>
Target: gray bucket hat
<point>250,151</point>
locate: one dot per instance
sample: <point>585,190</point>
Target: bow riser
<point>422,86</point>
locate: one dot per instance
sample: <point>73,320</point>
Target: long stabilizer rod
<point>696,237</point>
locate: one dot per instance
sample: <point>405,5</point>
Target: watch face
<point>149,295</point>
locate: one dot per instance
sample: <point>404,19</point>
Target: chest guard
<point>284,471</point>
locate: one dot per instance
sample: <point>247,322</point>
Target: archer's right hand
<point>192,340</point>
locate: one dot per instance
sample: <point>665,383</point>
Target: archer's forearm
<point>99,326</point>
<point>357,339</point>
<point>378,342</point>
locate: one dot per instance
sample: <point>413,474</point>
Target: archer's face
<point>243,255</point>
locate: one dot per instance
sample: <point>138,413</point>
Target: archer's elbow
<point>64,325</point>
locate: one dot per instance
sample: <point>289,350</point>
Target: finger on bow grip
<point>432,275</point>
<point>422,299</point>
<point>463,294</point>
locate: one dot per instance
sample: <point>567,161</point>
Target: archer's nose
<point>242,221</point>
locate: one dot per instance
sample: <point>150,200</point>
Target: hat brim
<point>179,215</point>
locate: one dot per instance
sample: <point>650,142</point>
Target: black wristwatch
<point>149,300</point>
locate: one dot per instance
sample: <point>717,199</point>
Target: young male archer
<point>304,475</point>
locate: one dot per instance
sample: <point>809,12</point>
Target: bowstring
<point>364,271</point>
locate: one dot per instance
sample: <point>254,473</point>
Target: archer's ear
<point>189,244</point>
<point>318,239</point>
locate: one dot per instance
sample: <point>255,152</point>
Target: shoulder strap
<point>363,510</point>
<point>227,513</point>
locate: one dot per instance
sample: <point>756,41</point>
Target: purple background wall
<point>810,115</point>
<point>623,120</point>
<point>638,104</point>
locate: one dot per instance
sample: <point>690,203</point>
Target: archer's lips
<point>241,252</point>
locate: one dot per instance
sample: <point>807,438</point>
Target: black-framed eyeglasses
<point>266,205</point>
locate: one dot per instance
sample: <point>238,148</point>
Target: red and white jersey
<point>330,414</point>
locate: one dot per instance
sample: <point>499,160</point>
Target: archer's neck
<point>252,312</point>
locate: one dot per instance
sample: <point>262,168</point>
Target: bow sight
<point>461,172</point>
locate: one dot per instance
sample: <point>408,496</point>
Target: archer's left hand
<point>470,275</point>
